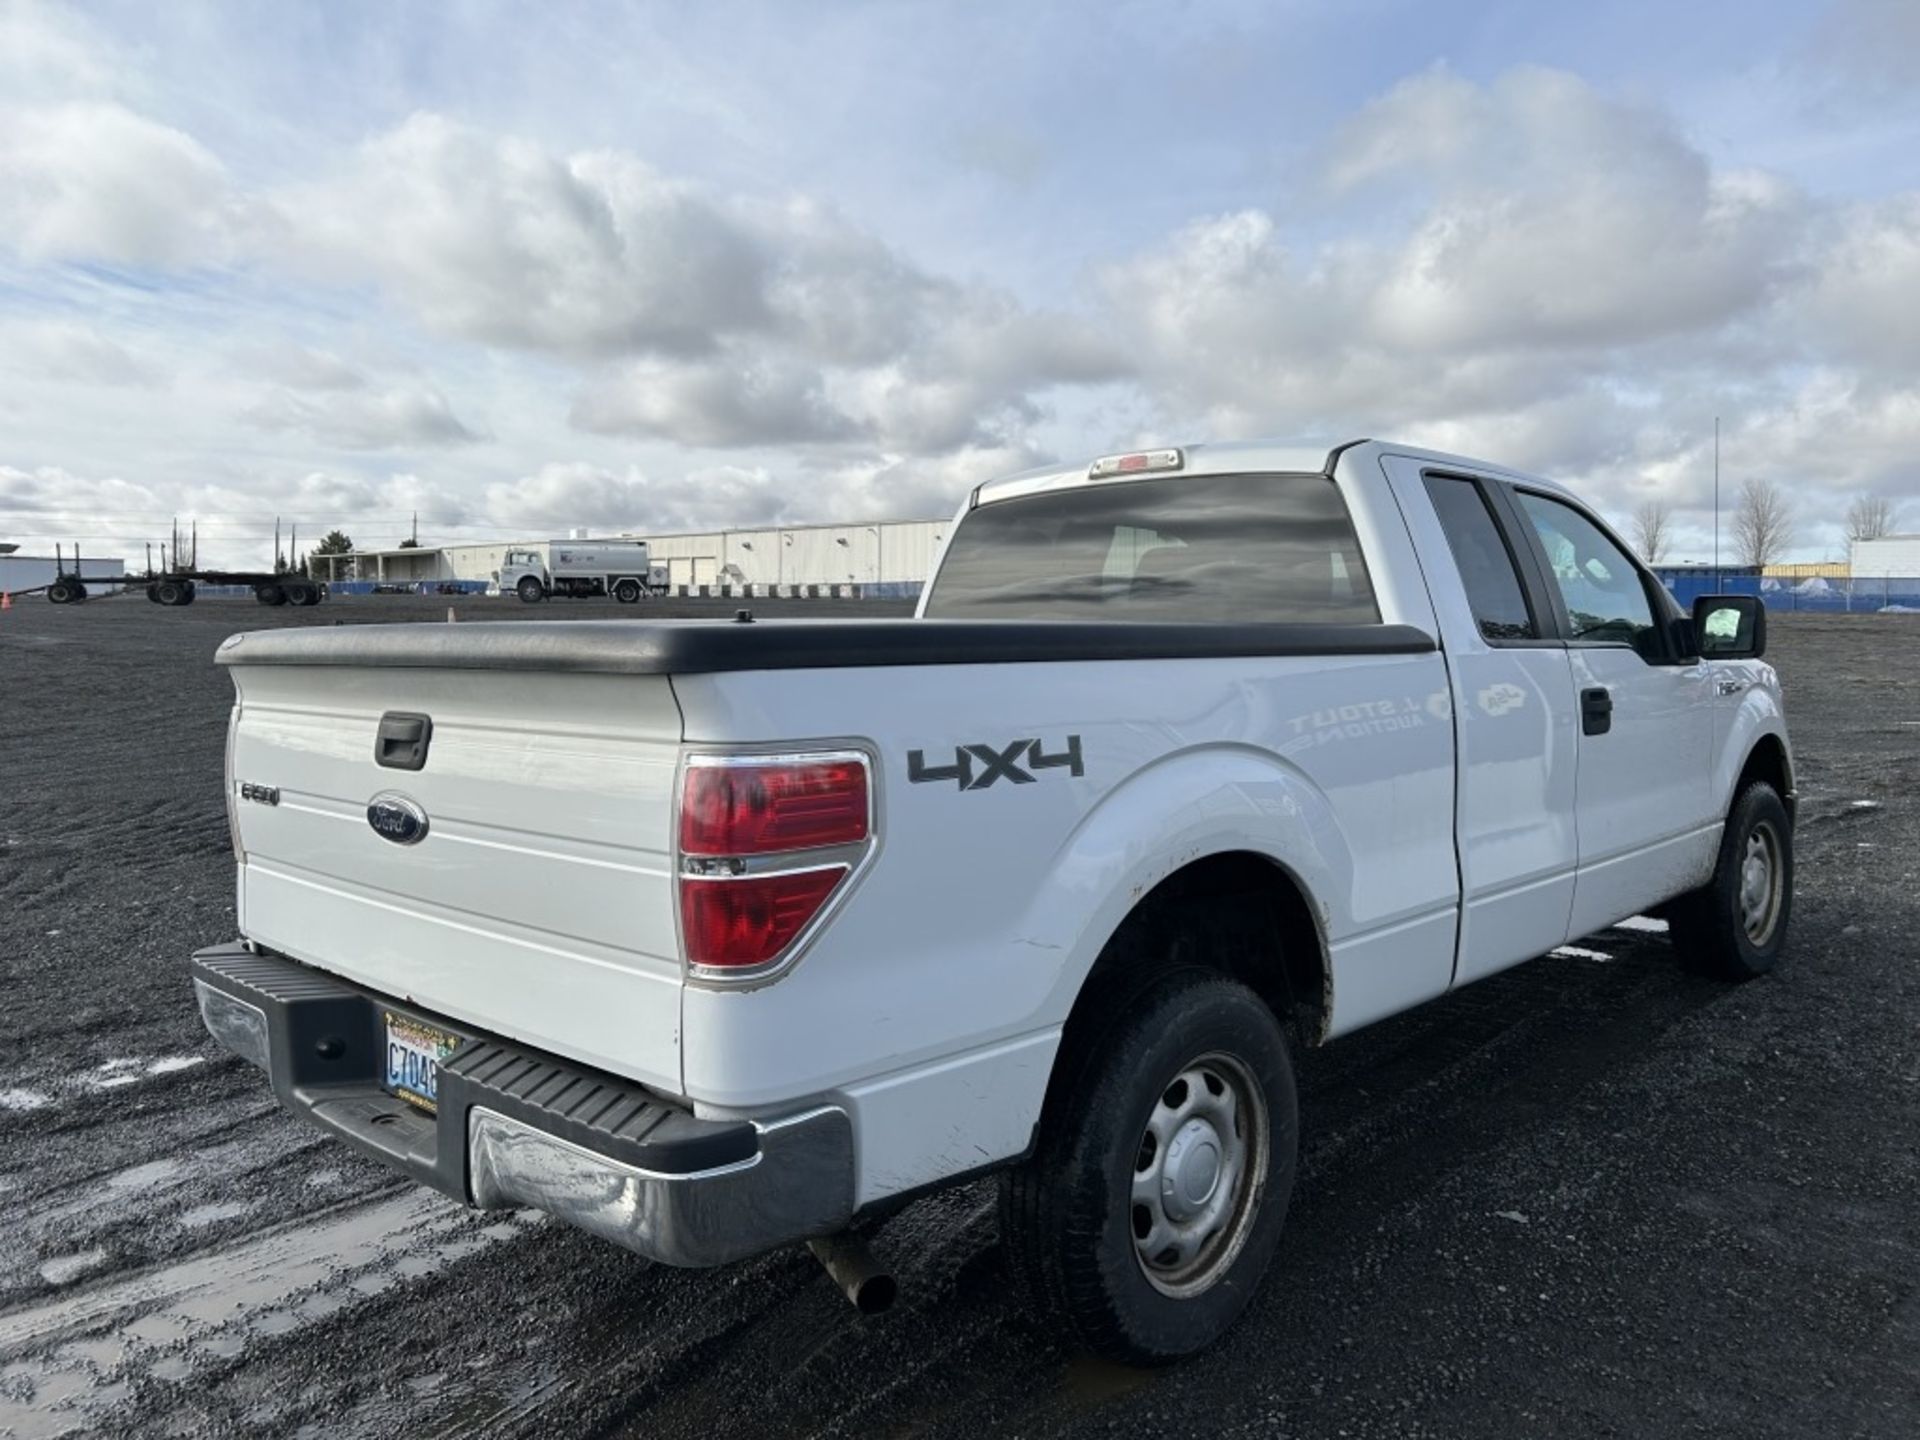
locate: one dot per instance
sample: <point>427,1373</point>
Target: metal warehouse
<point>880,552</point>
<point>1889,555</point>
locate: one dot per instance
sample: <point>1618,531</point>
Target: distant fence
<point>1860,595</point>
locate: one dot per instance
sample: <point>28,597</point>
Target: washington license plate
<point>414,1053</point>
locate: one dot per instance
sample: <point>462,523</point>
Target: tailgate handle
<point>402,741</point>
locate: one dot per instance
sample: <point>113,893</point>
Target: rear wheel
<point>270,594</point>
<point>1159,1185</point>
<point>168,592</point>
<point>153,593</point>
<point>62,592</point>
<point>530,591</point>
<point>627,591</point>
<point>299,592</point>
<point>1735,926</point>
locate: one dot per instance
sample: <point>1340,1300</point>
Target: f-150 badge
<point>976,767</point>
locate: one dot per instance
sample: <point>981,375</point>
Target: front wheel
<point>1735,925</point>
<point>531,591</point>
<point>1158,1188</point>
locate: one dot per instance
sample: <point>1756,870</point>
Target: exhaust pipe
<point>851,1264</point>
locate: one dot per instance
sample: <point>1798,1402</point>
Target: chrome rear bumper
<point>515,1127</point>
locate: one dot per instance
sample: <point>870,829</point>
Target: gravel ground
<point>1592,1196</point>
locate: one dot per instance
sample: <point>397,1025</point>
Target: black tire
<point>627,592</point>
<point>530,591</point>
<point>168,592</point>
<point>153,593</point>
<point>188,593</point>
<point>270,594</point>
<point>61,592</point>
<point>298,592</point>
<point>1727,928</point>
<point>1069,1215</point>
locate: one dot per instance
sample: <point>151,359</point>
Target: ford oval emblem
<point>394,817</point>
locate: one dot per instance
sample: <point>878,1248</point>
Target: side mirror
<point>1730,627</point>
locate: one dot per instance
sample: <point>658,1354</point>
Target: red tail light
<point>750,919</point>
<point>760,809</point>
<point>737,915</point>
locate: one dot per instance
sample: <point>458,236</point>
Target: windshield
<point>1205,548</point>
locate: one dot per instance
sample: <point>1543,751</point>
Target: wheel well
<point>1767,761</point>
<point>1236,912</point>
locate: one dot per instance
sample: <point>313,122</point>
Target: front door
<point>1644,715</point>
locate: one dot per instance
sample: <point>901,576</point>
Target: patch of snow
<point>1863,805</point>
<point>62,1268</point>
<point>24,1100</point>
<point>173,1064</point>
<point>1514,1215</point>
<point>212,1214</point>
<point>1575,952</point>
<point>1643,922</point>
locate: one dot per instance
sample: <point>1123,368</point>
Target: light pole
<point>1716,500</point>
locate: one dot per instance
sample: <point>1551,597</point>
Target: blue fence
<point>1862,595</point>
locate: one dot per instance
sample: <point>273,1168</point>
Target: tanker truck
<point>583,569</point>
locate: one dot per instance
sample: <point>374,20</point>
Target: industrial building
<point>763,560</point>
<point>1889,555</point>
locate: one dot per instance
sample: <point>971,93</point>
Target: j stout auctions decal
<point>976,767</point>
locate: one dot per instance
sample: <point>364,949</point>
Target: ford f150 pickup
<point>710,937</point>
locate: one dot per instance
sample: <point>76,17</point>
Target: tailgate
<point>537,905</point>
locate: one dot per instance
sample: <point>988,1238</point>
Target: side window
<point>1601,587</point>
<point>1486,565</point>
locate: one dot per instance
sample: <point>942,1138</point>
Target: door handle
<point>1596,711</point>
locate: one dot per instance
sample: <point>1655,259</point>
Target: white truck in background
<point>709,937</point>
<point>583,569</point>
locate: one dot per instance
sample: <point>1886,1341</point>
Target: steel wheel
<point>1760,889</point>
<point>1198,1175</point>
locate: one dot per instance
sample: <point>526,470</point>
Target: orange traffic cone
<point>6,599</point>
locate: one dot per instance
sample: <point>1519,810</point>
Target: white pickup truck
<point>1190,758</point>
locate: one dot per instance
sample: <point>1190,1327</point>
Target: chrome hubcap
<point>1760,884</point>
<point>1197,1175</point>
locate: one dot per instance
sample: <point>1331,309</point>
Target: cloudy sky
<point>519,268</point>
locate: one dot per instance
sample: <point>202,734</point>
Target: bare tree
<point>1650,524</point>
<point>1763,525</point>
<point>1869,517</point>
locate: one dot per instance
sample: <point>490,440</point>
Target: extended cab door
<point>1645,715</point>
<point>1513,705</point>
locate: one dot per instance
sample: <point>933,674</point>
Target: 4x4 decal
<point>975,767</point>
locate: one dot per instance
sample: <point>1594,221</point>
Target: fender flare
<point>1187,806</point>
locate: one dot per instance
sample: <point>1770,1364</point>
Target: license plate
<point>414,1053</point>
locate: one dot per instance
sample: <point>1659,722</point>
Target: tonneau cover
<point>691,647</point>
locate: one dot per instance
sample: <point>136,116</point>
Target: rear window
<point>1202,548</point>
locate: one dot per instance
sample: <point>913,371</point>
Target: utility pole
<point>416,528</point>
<point>1716,500</point>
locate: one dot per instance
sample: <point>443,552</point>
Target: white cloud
<point>359,419</point>
<point>94,181</point>
<point>713,403</point>
<point>72,351</point>
<point>1862,303</point>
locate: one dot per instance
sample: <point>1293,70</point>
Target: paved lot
<point>1589,1197</point>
